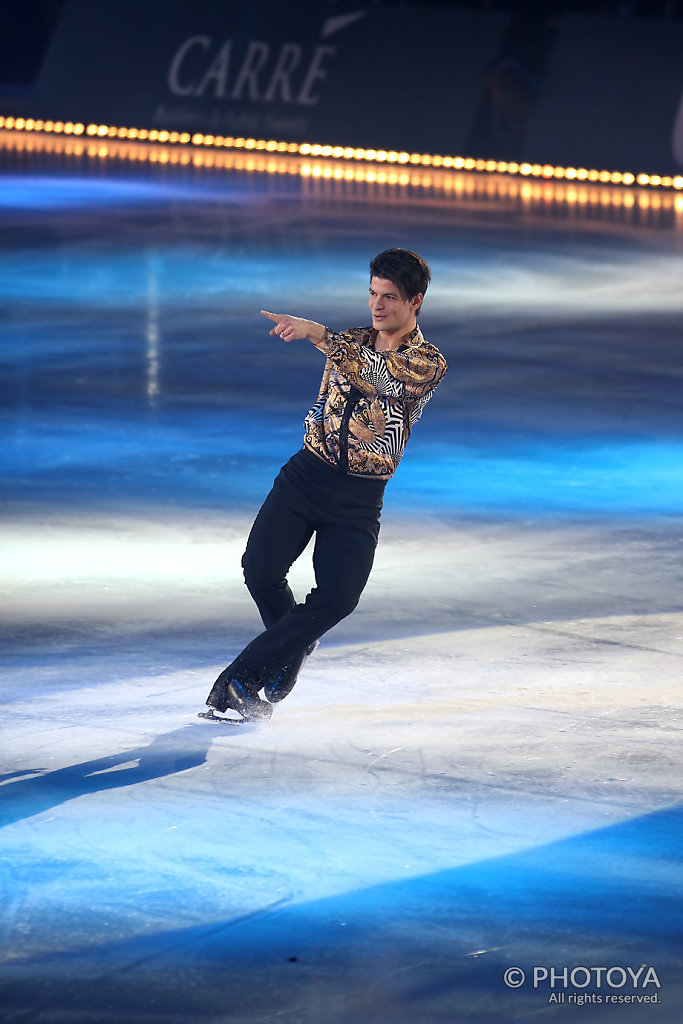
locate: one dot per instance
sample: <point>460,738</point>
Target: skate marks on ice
<point>382,849</point>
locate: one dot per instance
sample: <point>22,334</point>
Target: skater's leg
<point>342,561</point>
<point>281,531</point>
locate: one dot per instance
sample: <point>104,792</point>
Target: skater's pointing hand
<point>289,328</point>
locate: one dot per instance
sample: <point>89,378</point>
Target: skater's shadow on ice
<point>167,754</point>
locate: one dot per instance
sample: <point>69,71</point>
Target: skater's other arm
<point>406,374</point>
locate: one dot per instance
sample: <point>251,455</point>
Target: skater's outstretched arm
<point>408,374</point>
<point>290,328</point>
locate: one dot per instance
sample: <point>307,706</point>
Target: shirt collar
<point>415,337</point>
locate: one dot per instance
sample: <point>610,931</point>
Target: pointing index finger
<point>271,316</point>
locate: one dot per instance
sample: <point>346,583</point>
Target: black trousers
<point>308,497</point>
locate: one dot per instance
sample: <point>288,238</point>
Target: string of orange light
<point>392,158</point>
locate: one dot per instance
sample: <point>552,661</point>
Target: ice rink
<point>469,809</point>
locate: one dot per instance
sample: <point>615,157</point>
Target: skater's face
<point>392,315</point>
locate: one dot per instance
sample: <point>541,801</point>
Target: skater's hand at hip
<point>289,328</point>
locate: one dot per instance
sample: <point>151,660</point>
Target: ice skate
<point>282,683</point>
<point>235,695</point>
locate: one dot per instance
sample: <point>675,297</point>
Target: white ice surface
<point>469,732</point>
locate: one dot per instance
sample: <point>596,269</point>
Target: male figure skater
<point>375,385</point>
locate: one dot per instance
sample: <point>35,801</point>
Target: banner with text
<point>381,77</point>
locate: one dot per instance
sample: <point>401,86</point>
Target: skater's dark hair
<point>408,271</point>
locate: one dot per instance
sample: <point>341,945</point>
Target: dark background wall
<point>572,82</point>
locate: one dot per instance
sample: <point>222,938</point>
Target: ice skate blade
<point>211,717</point>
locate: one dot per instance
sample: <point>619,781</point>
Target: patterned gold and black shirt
<point>369,401</point>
